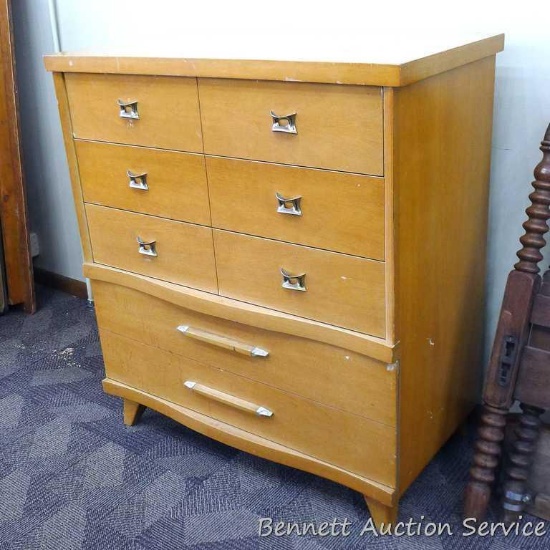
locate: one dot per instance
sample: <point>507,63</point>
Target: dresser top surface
<point>378,59</point>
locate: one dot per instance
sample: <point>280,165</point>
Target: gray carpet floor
<point>72,476</point>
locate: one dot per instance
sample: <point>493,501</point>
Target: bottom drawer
<point>351,442</point>
<point>313,370</point>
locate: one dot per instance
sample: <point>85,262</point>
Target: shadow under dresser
<point>288,256</point>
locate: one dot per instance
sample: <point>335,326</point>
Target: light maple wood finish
<point>389,214</point>
<point>252,443</point>
<point>346,71</point>
<point>185,251</point>
<point>296,423</point>
<point>176,181</point>
<point>236,122</point>
<point>382,514</point>
<point>442,137</point>
<point>247,314</point>
<point>132,411</point>
<point>414,320</point>
<point>243,198</point>
<point>66,125</point>
<point>342,290</point>
<point>332,375</point>
<point>168,110</point>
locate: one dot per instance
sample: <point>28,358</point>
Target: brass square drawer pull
<point>137,181</point>
<point>293,282</point>
<point>222,341</point>
<point>227,399</point>
<point>148,248</point>
<point>128,109</point>
<point>284,123</point>
<point>289,206</point>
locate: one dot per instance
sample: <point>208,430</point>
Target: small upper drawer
<point>162,183</point>
<point>331,210</point>
<point>178,252</point>
<point>336,127</point>
<point>332,288</point>
<point>157,111</point>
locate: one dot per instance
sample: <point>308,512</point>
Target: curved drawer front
<point>320,372</point>
<point>157,111</point>
<point>352,442</point>
<point>331,210</point>
<point>173,251</point>
<point>335,127</point>
<point>325,286</point>
<point>151,181</point>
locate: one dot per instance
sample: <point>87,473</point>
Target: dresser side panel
<point>66,125</point>
<point>442,154</point>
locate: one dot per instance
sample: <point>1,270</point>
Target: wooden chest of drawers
<point>288,256</point>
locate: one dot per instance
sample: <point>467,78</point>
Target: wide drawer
<point>320,372</point>
<point>336,127</point>
<point>352,442</point>
<point>106,107</point>
<point>173,251</point>
<point>151,181</point>
<point>341,290</point>
<point>332,210</point>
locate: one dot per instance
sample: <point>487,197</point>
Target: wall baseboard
<point>60,282</point>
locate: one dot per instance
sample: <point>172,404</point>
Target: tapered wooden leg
<point>488,449</point>
<point>382,515</point>
<point>132,412</point>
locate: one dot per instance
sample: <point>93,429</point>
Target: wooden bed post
<point>522,285</point>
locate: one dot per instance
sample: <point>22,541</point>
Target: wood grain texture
<point>247,314</point>
<point>13,201</point>
<point>185,251</point>
<point>348,71</point>
<point>168,110</point>
<point>322,432</point>
<point>345,291</point>
<point>441,170</point>
<point>243,199</point>
<point>252,443</point>
<point>534,378</point>
<point>66,125</point>
<point>236,122</point>
<point>540,314</point>
<point>327,374</point>
<point>389,213</point>
<point>177,181</point>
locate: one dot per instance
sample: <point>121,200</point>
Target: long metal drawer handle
<point>137,181</point>
<point>222,341</point>
<point>227,399</point>
<point>289,206</point>
<point>293,282</point>
<point>147,248</point>
<point>128,109</point>
<point>284,123</point>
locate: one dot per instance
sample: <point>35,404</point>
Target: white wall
<point>51,212</point>
<point>522,106</point>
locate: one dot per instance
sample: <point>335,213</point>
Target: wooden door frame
<point>13,204</point>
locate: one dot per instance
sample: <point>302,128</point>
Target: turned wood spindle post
<point>521,456</point>
<point>522,285</point>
